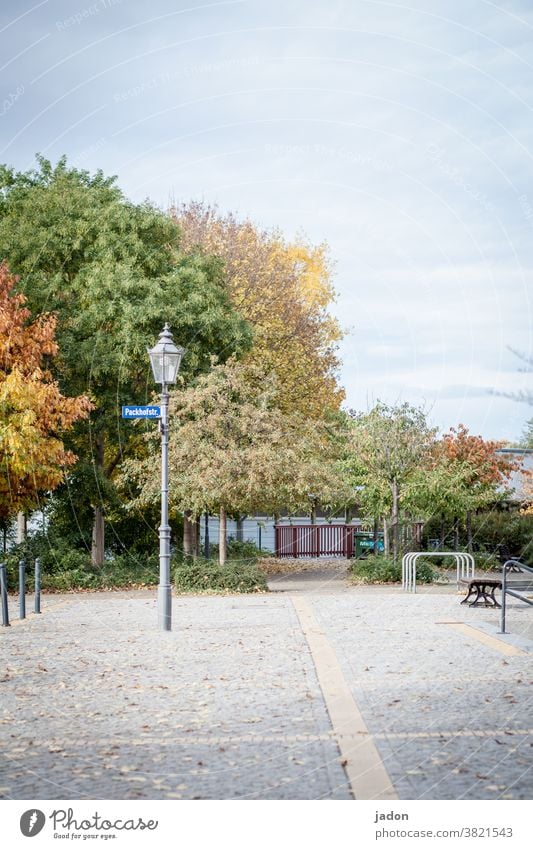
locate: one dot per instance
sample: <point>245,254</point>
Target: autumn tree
<point>113,273</point>
<point>34,414</point>
<point>466,474</point>
<point>283,289</point>
<point>249,455</point>
<point>483,471</point>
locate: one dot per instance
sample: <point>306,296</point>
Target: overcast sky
<point>401,133</point>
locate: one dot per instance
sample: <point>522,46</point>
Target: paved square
<point>96,703</point>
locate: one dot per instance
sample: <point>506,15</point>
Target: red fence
<point>314,540</point>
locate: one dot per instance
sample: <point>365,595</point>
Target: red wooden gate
<point>314,540</point>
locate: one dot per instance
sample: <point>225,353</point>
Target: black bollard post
<point>3,592</point>
<point>37,607</point>
<point>22,589</point>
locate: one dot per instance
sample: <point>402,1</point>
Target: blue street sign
<point>146,412</point>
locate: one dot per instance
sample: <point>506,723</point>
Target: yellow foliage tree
<point>33,412</point>
<point>283,289</point>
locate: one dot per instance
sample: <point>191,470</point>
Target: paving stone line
<point>366,772</point>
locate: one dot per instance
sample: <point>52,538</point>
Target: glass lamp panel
<point>171,367</point>
<point>157,360</point>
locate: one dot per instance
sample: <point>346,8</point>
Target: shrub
<point>502,532</point>
<point>56,555</point>
<point>486,562</point>
<point>207,575</point>
<point>506,532</point>
<point>75,572</point>
<point>237,550</point>
<point>383,570</point>
<point>71,579</point>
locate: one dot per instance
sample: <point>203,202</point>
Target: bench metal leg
<point>471,591</point>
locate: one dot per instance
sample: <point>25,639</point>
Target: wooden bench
<point>483,591</point>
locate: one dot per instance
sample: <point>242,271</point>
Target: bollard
<point>37,608</point>
<point>504,599</point>
<point>3,591</point>
<point>22,589</point>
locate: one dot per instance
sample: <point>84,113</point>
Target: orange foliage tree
<point>487,467</point>
<point>482,470</point>
<point>33,412</point>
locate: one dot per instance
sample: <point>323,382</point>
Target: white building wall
<point>251,527</point>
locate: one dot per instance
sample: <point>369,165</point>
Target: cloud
<point>400,134</point>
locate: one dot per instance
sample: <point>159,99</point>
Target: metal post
<point>22,589</point>
<point>164,592</point>
<point>259,546</point>
<point>3,591</point>
<point>206,536</point>
<point>37,607</point>
<point>504,588</point>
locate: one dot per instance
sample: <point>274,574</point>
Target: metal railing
<point>464,562</point>
<point>515,591</point>
<point>22,591</point>
<point>328,540</point>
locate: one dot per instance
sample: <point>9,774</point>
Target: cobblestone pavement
<point>96,703</point>
<point>451,716</point>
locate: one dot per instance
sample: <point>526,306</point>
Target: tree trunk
<point>206,536</point>
<point>222,551</point>
<point>196,547</point>
<point>386,540</point>
<point>469,538</point>
<point>376,536</point>
<point>456,534</point>
<point>394,522</point>
<point>188,547</point>
<point>348,516</point>
<point>98,545</point>
<point>240,529</point>
<point>313,513</point>
<point>21,527</point>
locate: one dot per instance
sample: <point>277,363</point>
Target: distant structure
<point>520,482</point>
<point>261,529</point>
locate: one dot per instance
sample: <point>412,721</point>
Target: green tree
<point>113,273</point>
<point>249,455</point>
<point>387,446</point>
<point>526,440</point>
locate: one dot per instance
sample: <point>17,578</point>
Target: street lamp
<point>165,360</point>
